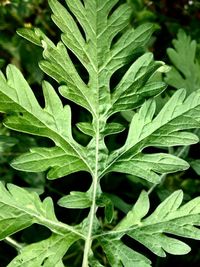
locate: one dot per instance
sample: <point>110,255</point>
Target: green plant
<point>97,34</point>
<point>186,66</point>
<point>185,73</point>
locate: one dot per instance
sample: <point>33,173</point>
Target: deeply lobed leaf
<point>168,218</point>
<point>186,68</point>
<point>97,34</point>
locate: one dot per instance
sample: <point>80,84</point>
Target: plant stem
<point>13,243</point>
<point>162,178</point>
<point>88,241</point>
<point>93,209</point>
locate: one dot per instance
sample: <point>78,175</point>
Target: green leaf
<point>104,201</point>
<point>195,164</point>
<point>7,142</point>
<point>97,34</point>
<point>30,35</point>
<point>47,253</point>
<point>40,159</point>
<point>52,122</point>
<point>163,130</point>
<point>20,209</point>
<point>186,68</point>
<point>86,128</point>
<point>120,255</point>
<point>110,128</point>
<point>94,262</point>
<point>168,218</point>
<point>76,200</point>
<point>2,62</point>
<point>119,203</point>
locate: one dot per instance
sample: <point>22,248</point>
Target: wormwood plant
<point>98,34</point>
<point>186,69</point>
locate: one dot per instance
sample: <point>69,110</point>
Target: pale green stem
<point>88,241</point>
<point>13,243</point>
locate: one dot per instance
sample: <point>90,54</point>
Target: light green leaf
<point>54,121</point>
<point>195,164</point>
<point>20,209</point>
<point>40,159</point>
<point>134,86</point>
<point>163,130</point>
<point>72,36</point>
<point>30,35</point>
<point>168,218</point>
<point>76,200</point>
<point>47,253</point>
<point>159,244</point>
<point>147,166</point>
<point>139,210</point>
<point>186,68</point>
<point>120,255</point>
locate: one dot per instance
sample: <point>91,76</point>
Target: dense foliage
<point>111,122</point>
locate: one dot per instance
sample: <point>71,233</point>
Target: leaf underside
<point>102,40</point>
